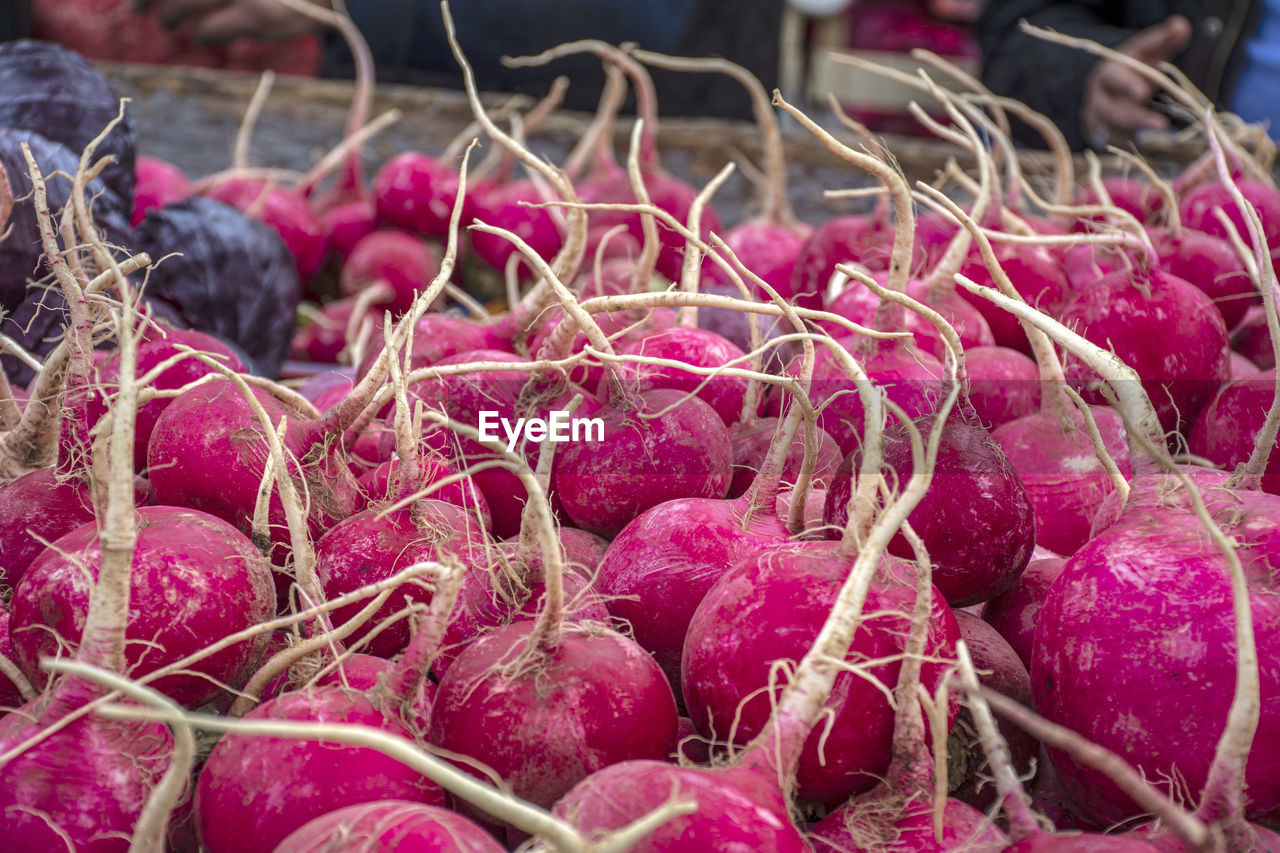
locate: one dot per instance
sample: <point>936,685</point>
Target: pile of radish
<point>951,526</point>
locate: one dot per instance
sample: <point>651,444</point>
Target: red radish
<point>662,563</point>
<point>625,328</point>
<point>727,695</point>
<point>508,207</point>
<point>323,336</point>
<point>1025,831</point>
<point>372,545</point>
<point>193,577</point>
<point>744,803</point>
<point>414,191</point>
<point>379,485</point>
<point>1197,207</point>
<point>158,182</point>
<point>1004,384</point>
<point>864,827</point>
<point>641,461</point>
<point>401,824</point>
<point>1228,429</point>
<point>1053,450</point>
<point>1035,274</point>
<point>696,347</point>
<point>843,239</point>
<point>345,225</point>
<point>977,521</point>
<point>1241,367</point>
<point>401,264</point>
<point>254,792</point>
<point>1002,671</point>
<point>14,686</point>
<point>1252,340</point>
<point>1014,612</point>
<point>1158,578</point>
<point>1131,194</point>
<point>158,346</point>
<point>751,442</point>
<point>208,453</point>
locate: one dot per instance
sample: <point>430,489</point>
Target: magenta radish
<point>1251,339</point>
<point>698,348</point>
<point>1025,831</point>
<point>1035,274</point>
<point>322,337</point>
<point>372,545</point>
<point>1014,612</point>
<point>414,191</point>
<point>14,686</point>
<point>977,520</point>
<point>1197,207</point>
<point>1004,384</point>
<point>751,443</point>
<point>158,182</point>
<point>344,225</point>
<point>208,452</point>
<point>864,826</point>
<point>744,803</point>
<point>399,263</point>
<point>662,563</point>
<point>370,827</point>
<point>1053,450</point>
<point>641,460</point>
<point>1227,430</point>
<point>1002,671</point>
<point>842,239</point>
<point>193,577</point>
<point>160,345</point>
<point>1131,194</point>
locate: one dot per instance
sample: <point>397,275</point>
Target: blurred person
<point>408,41</point>
<point>1230,50</point>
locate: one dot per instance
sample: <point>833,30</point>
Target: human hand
<point>1115,96</point>
<point>221,21</point>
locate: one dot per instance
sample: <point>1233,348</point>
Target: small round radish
<point>1014,612</point>
<point>1035,274</point>
<point>414,191</point>
<point>769,607</point>
<point>695,347</point>
<point>643,461</point>
<point>1198,204</point>
<point>503,207</point>
<point>859,826</point>
<point>345,225</point>
<point>977,521</point>
<point>159,182</point>
<point>244,803</point>
<point>751,442</point>
<point>193,577</point>
<point>1226,430</point>
<point>401,263</point>
<point>391,824</point>
<point>1004,384</point>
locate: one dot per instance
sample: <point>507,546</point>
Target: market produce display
<point>487,502</point>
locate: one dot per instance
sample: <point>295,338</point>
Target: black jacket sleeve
<point>1050,78</point>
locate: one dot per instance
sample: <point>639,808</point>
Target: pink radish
<point>397,262</point>
<point>1014,613</point>
<point>282,209</point>
<point>699,348</point>
<point>1004,384</point>
<point>1053,451</point>
<point>308,779</point>
<point>751,443</point>
<point>225,586</point>
<point>744,803</point>
<point>158,183</point>
<point>369,827</point>
<point>1230,427</point>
